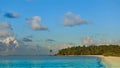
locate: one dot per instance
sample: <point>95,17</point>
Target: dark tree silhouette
<point>106,50</point>
<point>50,51</point>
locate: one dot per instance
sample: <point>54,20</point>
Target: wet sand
<point>110,61</point>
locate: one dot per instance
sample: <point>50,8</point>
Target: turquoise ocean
<point>50,62</point>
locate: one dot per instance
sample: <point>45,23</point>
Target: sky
<point>56,24</point>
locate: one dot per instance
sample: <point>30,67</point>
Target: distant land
<point>105,50</point>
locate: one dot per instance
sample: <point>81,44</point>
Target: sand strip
<point>110,62</point>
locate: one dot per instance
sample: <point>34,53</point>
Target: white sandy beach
<point>110,61</point>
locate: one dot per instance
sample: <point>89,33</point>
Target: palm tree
<point>51,51</point>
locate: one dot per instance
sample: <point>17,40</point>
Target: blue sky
<point>102,15</point>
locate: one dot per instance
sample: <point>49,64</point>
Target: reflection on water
<point>50,62</point>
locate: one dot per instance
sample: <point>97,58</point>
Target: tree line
<point>106,50</point>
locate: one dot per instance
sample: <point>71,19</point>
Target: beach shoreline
<point>110,61</point>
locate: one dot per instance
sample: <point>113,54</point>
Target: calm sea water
<point>50,62</point>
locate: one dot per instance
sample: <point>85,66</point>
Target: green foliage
<point>109,54</point>
<point>50,50</point>
<point>106,50</point>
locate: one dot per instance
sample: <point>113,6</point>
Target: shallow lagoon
<point>50,62</point>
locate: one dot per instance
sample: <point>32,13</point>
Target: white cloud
<point>3,33</point>
<point>60,46</point>
<point>4,25</point>
<point>8,45</point>
<point>5,29</point>
<point>88,41</point>
<point>7,41</point>
<point>71,19</point>
<point>109,42</point>
<point>10,41</point>
<point>28,49</point>
<point>35,25</point>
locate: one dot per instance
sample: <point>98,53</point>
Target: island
<point>110,54</point>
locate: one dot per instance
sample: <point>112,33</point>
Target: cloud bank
<point>71,19</point>
<point>30,49</point>
<point>7,39</point>
<point>9,45</point>
<point>89,41</point>
<point>22,49</point>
